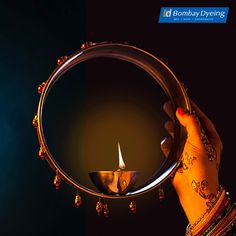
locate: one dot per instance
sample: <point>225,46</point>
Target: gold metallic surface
<point>133,207</point>
<point>105,210</point>
<point>35,121</point>
<point>86,45</point>
<point>61,60</point>
<point>57,181</point>
<point>114,182</point>
<point>99,205</point>
<point>41,87</point>
<point>78,200</point>
<point>42,153</point>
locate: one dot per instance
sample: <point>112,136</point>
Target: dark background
<point>33,34</point>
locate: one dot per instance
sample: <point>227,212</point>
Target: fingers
<point>166,146</point>
<point>192,125</point>
<point>169,126</point>
<point>187,120</point>
<point>168,108</point>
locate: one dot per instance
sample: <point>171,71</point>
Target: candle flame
<point>121,161</point>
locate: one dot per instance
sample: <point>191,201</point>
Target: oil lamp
<point>121,182</point>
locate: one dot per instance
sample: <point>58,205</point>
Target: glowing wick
<point>121,161</point>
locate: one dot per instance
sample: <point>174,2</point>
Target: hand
<point>196,180</point>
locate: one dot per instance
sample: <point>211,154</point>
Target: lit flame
<point>121,161</point>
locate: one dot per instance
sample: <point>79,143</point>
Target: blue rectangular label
<point>193,15</point>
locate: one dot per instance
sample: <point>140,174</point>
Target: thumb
<point>192,125</point>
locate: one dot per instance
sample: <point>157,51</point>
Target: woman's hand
<point>196,180</point>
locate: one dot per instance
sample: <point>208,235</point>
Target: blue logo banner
<point>193,15</point>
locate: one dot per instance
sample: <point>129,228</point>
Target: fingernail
<point>180,111</point>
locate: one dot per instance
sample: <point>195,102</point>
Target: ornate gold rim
<point>152,65</point>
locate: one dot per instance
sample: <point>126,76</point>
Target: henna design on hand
<point>200,187</point>
<point>186,162</point>
<point>211,151</point>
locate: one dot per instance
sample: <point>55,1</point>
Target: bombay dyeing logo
<point>193,15</point>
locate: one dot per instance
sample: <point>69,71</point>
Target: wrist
<point>212,206</point>
<point>198,203</point>
<point>218,219</point>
